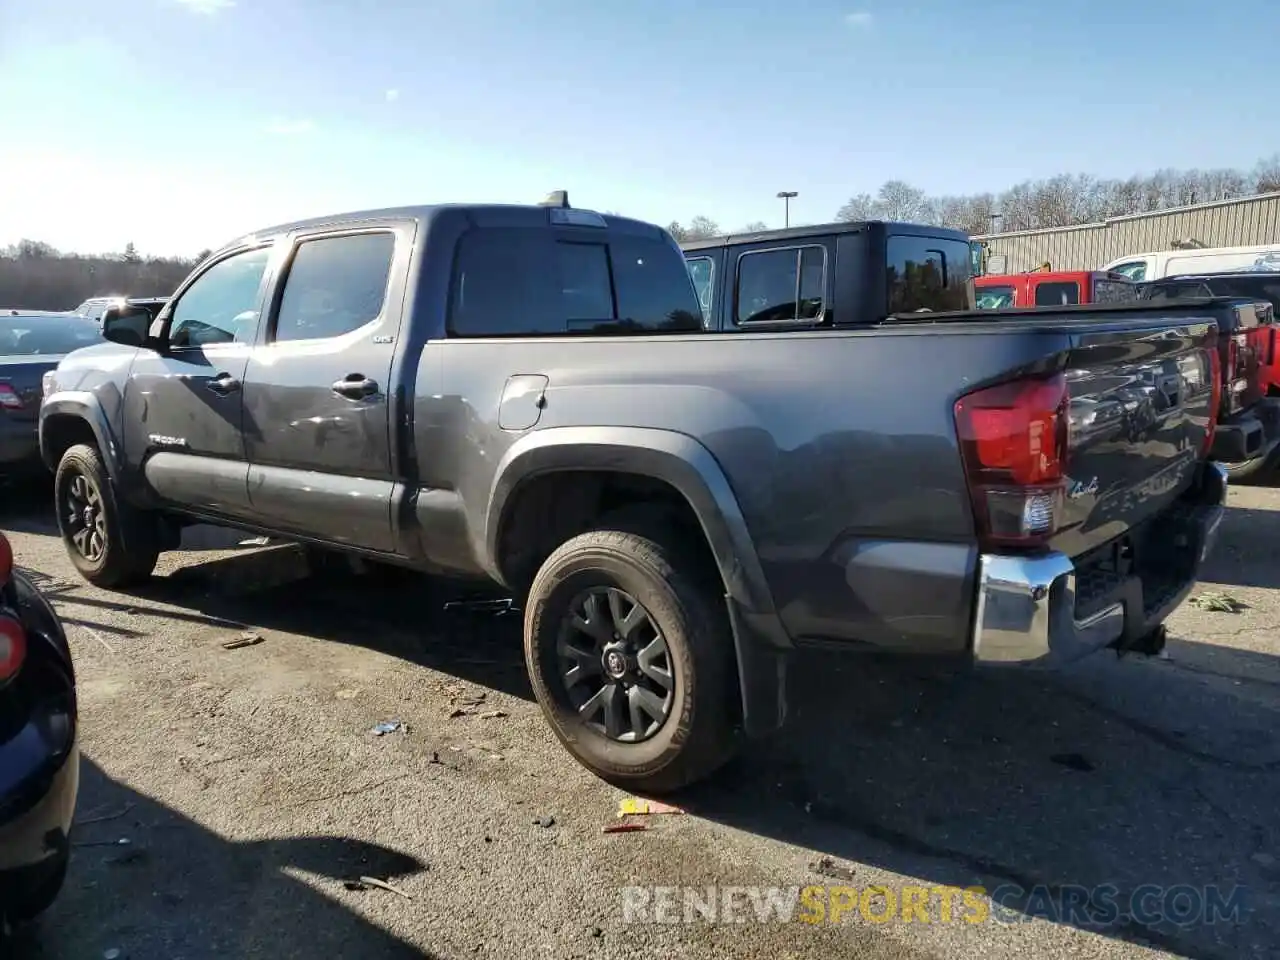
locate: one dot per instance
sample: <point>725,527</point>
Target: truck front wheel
<point>112,544</point>
<point>630,656</point>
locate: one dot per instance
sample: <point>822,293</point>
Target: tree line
<point>1061,201</point>
<point>699,228</point>
<point>35,276</point>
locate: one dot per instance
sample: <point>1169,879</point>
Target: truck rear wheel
<point>630,656</point>
<point>112,544</point>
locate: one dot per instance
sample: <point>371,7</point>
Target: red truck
<point>1051,289</point>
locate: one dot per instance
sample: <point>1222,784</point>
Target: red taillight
<point>9,397</point>
<point>1215,399</point>
<point>1014,439</point>
<point>13,638</point>
<point>13,647</point>
<point>1234,381</point>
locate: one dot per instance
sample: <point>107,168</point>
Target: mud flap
<point>762,674</point>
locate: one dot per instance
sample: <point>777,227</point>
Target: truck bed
<point>841,445</point>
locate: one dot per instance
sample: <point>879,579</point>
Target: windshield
<point>31,336</point>
<point>994,298</point>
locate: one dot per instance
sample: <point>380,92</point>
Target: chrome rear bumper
<point>1026,608</point>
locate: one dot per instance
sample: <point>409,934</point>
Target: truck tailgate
<point>1142,406</point>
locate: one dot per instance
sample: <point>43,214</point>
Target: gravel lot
<point>248,783</point>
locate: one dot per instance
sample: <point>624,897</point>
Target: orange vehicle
<point>1043,288</point>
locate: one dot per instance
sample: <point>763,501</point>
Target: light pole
<point>785,196</point>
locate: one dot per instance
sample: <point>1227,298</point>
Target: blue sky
<point>177,124</point>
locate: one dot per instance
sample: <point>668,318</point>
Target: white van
<point>1171,263</point>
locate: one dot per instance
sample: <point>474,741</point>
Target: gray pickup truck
<point>528,395</point>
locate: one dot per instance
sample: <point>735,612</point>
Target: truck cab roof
<point>484,214</point>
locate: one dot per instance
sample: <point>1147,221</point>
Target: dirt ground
<point>228,794</point>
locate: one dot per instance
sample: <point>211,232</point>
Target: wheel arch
<point>674,459</point>
<point>67,420</point>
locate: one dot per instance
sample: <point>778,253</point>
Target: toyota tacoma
<point>530,395</point>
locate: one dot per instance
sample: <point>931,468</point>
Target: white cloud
<point>393,95</point>
<point>860,19</point>
<point>206,7</point>
<point>290,128</point>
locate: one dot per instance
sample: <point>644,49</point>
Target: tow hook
<point>1150,644</point>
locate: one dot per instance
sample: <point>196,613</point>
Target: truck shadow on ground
<point>1146,786</point>
<point>1142,777</point>
<point>178,889</point>
<point>1246,551</point>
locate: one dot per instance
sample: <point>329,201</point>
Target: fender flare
<point>81,406</point>
<point>674,458</point>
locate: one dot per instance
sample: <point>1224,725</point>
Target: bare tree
<point>1266,175</point>
<point>895,200</point>
<point>859,207</point>
<point>34,250</point>
<point>702,227</point>
<point>1063,200</point>
<point>898,200</point>
<point>699,228</point>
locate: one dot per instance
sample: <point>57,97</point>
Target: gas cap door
<point>523,398</point>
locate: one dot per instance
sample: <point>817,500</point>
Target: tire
<point>30,904</point>
<point>127,542</point>
<point>684,610</point>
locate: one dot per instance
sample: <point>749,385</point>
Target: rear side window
<point>927,273</point>
<point>655,291</point>
<point>512,282</point>
<point>335,285</point>
<point>702,270</point>
<point>784,285</point>
<point>1061,294</point>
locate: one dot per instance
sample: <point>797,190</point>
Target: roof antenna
<point>556,198</point>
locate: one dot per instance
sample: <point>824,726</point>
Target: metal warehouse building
<point>1224,223</point>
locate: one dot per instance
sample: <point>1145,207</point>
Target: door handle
<point>355,386</point>
<point>223,384</point>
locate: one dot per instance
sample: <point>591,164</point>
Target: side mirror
<point>126,324</point>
